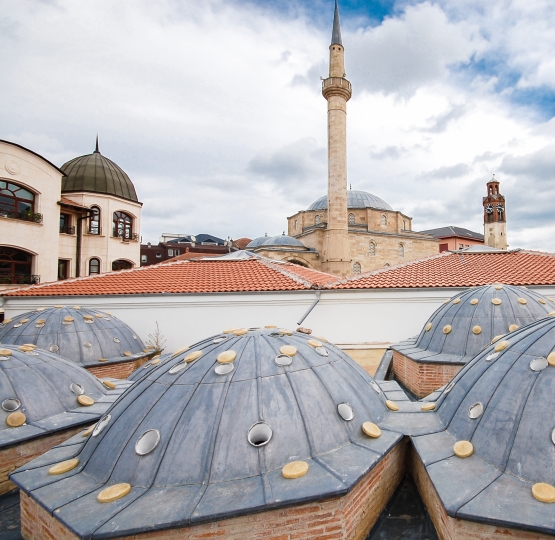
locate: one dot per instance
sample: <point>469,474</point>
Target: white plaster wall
<point>353,317</point>
<point>44,180</point>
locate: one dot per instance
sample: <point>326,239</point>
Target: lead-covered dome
<point>282,240</point>
<point>499,411</point>
<point>459,329</point>
<point>206,435</point>
<point>87,337</point>
<point>355,199</point>
<point>41,393</point>
<point>98,174</point>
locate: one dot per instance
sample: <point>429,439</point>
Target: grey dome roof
<point>355,199</point>
<point>97,174</point>
<point>283,240</point>
<point>40,381</point>
<point>502,402</point>
<point>257,242</point>
<point>203,467</point>
<point>463,314</point>
<point>91,338</point>
<point>147,367</point>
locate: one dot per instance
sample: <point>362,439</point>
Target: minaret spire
<point>337,91</point>
<point>336,32</point>
<point>96,150</point>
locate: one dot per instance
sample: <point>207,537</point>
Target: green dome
<point>97,174</point>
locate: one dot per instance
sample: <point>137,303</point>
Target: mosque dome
<point>85,336</point>
<point>41,393</point>
<point>355,199</point>
<point>282,240</point>
<point>98,174</point>
<point>498,411</point>
<point>257,242</point>
<point>212,433</point>
<point>465,324</point>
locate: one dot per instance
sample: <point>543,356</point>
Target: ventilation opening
<point>224,369</point>
<point>476,411</point>
<point>102,423</point>
<point>77,389</point>
<point>283,360</point>
<point>259,434</point>
<point>11,404</point>
<point>345,411</point>
<point>147,442</point>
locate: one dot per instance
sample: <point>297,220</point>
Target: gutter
<point>317,299</point>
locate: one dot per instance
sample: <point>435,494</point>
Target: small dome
<point>211,433</point>
<point>85,336</point>
<point>475,317</point>
<point>97,174</point>
<point>45,389</point>
<point>283,240</point>
<point>355,199</point>
<point>257,242</point>
<point>501,403</point>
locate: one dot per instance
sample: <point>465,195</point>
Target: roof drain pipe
<point>310,308</point>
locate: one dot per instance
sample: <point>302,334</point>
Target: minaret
<point>337,90</point>
<point>495,217</point>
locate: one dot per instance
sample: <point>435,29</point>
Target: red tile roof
<point>188,277</point>
<point>65,200</point>
<point>450,269</point>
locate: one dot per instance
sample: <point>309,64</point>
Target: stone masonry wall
<point>17,455</point>
<point>449,528</point>
<point>343,518</point>
<point>422,378</point>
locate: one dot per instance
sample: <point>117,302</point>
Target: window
<point>351,219</point>
<point>94,266</point>
<point>15,267</point>
<point>65,224</point>
<point>122,225</point>
<point>120,264</point>
<point>143,259</point>
<point>158,255</point>
<point>384,221</point>
<point>401,250</point>
<point>356,269</point>
<point>63,269</point>
<point>404,225</point>
<point>94,221</point>
<point>443,247</point>
<point>460,246</point>
<point>318,220</point>
<point>372,248</point>
<point>296,223</point>
<point>170,252</point>
<point>15,201</point>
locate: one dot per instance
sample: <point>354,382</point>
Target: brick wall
<point>422,378</point>
<point>449,528</point>
<point>343,518</point>
<point>122,370</point>
<point>17,455</point>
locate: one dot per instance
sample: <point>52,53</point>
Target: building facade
<point>455,238</point>
<point>55,223</point>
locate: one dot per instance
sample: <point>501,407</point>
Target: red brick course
<point>121,370</point>
<point>17,455</point>
<point>449,528</point>
<point>343,518</point>
<point>422,378</point>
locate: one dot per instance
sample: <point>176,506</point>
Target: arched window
<point>16,202</point>
<point>94,221</point>
<point>122,225</point>
<point>401,250</point>
<point>296,223</point>
<point>120,264</point>
<point>15,267</point>
<point>404,225</point>
<point>94,266</point>
<point>351,219</point>
<point>372,248</point>
<point>356,269</point>
<point>384,220</point>
<point>318,220</point>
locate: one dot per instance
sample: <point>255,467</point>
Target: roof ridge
<point>291,275</point>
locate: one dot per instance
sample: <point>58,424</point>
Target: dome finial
<point>96,150</point>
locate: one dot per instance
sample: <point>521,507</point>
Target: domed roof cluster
<point>85,336</point>
<point>355,199</point>
<point>498,411</point>
<point>98,174</point>
<point>461,328</point>
<point>41,393</point>
<point>241,422</point>
<point>281,240</point>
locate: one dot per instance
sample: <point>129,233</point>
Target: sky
<point>214,107</point>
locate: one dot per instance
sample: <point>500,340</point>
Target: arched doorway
<point>16,267</point>
<point>121,264</point>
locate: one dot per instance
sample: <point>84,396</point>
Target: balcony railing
<point>67,229</point>
<point>129,237</point>
<point>19,279</point>
<point>34,217</point>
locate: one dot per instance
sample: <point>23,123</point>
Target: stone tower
<point>495,217</point>
<point>337,91</point>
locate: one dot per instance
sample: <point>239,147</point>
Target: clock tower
<point>495,217</point>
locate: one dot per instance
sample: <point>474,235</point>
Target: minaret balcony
<point>337,86</point>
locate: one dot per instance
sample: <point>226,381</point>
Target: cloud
<point>450,171</point>
<point>441,122</point>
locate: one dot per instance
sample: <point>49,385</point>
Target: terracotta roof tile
<point>188,277</point>
<point>450,269</point>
